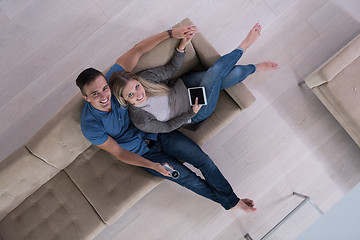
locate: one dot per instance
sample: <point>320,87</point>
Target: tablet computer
<point>197,92</point>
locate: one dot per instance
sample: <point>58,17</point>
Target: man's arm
<point>131,158</point>
<point>129,60</point>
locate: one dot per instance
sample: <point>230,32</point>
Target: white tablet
<point>197,92</point>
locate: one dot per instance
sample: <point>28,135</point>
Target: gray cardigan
<point>178,98</point>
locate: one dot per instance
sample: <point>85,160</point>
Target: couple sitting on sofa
<point>151,142</point>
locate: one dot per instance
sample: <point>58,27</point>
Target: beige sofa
<point>59,186</point>
<point>337,84</point>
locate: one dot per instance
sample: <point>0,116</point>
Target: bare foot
<point>252,36</point>
<point>246,205</point>
<point>265,66</point>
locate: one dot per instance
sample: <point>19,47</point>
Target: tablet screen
<point>197,93</point>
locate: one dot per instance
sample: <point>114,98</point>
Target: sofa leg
<point>301,83</point>
<point>247,237</point>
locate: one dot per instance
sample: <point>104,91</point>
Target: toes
<point>274,65</point>
<point>257,27</point>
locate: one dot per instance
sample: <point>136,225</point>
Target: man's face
<point>134,92</point>
<point>98,94</point>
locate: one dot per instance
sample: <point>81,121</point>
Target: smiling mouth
<point>105,101</point>
<point>140,99</point>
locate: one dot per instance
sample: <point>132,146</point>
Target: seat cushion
<point>57,210</point>
<point>21,174</point>
<point>343,93</point>
<point>111,186</point>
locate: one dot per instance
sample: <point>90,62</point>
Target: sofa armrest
<point>241,95</point>
<point>315,80</point>
<point>335,64</point>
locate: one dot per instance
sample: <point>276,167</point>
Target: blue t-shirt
<point>97,125</point>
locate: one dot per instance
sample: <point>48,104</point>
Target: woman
<point>157,104</point>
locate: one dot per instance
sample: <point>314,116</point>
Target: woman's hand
<point>184,42</point>
<point>196,107</point>
<point>184,31</point>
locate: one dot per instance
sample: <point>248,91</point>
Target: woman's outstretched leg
<point>252,36</point>
<point>214,76</point>
<point>194,79</point>
<point>241,72</point>
<point>266,66</point>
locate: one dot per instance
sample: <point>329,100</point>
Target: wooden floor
<point>286,141</point>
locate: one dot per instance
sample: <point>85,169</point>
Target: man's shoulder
<point>87,115</point>
<point>91,126</point>
<point>113,68</point>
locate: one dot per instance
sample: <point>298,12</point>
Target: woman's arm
<point>165,72</point>
<point>147,122</point>
<point>183,43</point>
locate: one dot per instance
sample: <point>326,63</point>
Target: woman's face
<point>134,93</point>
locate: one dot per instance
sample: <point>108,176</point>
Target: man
<point>107,125</point>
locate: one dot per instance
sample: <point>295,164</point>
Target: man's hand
<point>184,31</point>
<point>131,158</point>
<point>161,169</point>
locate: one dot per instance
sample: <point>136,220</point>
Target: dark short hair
<point>87,76</point>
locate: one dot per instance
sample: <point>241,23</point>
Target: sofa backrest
<point>162,53</point>
<point>51,149</point>
<point>342,59</point>
<point>60,141</point>
<point>21,174</point>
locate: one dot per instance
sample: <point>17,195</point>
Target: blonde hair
<point>119,80</point>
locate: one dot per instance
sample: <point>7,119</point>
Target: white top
<point>157,106</point>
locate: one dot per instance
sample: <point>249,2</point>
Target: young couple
<point>106,123</point>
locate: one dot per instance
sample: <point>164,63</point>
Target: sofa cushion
<point>21,174</point>
<point>57,210</point>
<point>343,94</point>
<point>60,141</point>
<point>110,185</point>
<point>241,95</point>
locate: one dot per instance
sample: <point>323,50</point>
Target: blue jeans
<point>174,145</point>
<point>223,74</point>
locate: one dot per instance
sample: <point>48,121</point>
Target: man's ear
<point>86,98</point>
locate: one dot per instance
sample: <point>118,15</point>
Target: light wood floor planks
<point>286,141</point>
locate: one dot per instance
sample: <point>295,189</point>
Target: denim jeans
<point>223,74</point>
<point>174,145</point>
